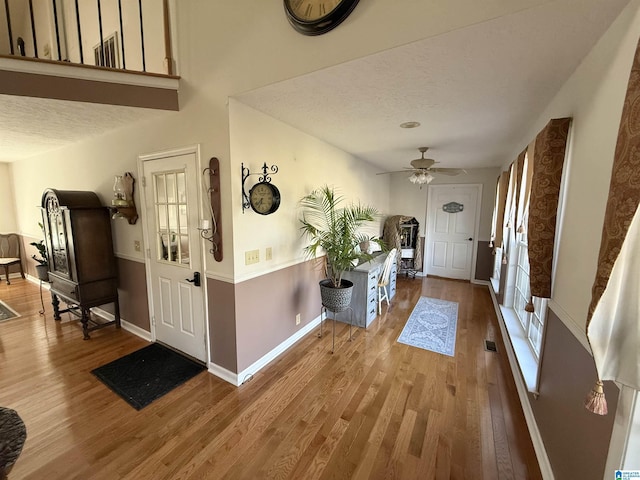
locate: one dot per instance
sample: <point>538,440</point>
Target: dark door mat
<point>147,374</point>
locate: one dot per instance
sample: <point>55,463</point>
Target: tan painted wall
<point>409,199</point>
<point>222,324</point>
<point>132,293</point>
<point>593,96</point>
<point>8,223</point>
<point>304,163</point>
<point>577,441</point>
<point>266,309</point>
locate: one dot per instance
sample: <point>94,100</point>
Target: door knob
<point>470,239</point>
<point>195,280</point>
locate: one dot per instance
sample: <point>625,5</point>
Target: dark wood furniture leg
<point>85,323</point>
<point>56,306</point>
<point>6,274</point>
<point>117,313</point>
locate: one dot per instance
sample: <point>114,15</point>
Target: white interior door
<point>452,223</point>
<point>174,254</point>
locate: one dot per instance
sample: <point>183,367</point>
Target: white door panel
<point>171,207</point>
<point>451,237</point>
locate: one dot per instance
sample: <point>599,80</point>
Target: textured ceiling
<point>474,90</point>
<point>30,126</point>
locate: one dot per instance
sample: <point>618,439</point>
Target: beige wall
<point>8,222</point>
<point>593,96</point>
<point>409,199</point>
<point>226,48</point>
<point>304,163</point>
<point>578,443</point>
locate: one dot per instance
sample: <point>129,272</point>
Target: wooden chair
<point>10,253</point>
<point>383,281</point>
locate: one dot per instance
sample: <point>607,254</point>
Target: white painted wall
<point>225,48</point>
<point>593,96</point>
<point>304,164</point>
<point>408,199</point>
<point>8,211</point>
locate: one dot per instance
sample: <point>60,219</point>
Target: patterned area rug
<point>6,312</point>
<point>432,326</point>
<point>147,374</point>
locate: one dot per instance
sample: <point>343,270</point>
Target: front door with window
<point>171,200</point>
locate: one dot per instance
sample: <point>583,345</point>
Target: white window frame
<point>532,323</point>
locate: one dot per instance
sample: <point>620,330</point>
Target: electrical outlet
<point>136,245</point>
<point>251,257</point>
<point>268,254</point>
<point>298,319</point>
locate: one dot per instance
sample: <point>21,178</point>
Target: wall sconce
<point>122,205</point>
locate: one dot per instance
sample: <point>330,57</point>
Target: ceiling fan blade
<point>448,171</point>
<point>408,170</point>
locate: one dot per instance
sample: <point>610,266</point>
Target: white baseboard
<point>238,379</point>
<point>223,373</point>
<point>481,282</point>
<point>36,280</point>
<point>136,330</point>
<point>534,432</point>
<point>129,327</point>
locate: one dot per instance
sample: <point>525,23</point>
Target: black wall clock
<point>264,198</point>
<point>315,17</point>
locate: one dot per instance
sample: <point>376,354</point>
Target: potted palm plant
<point>334,229</point>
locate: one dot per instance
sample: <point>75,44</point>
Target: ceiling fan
<point>422,169</point>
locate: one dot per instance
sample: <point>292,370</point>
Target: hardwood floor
<point>374,409</point>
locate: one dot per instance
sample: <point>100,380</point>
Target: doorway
<point>453,219</point>
<point>174,263</point>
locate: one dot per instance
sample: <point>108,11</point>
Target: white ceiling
<point>474,90</point>
<point>31,126</point>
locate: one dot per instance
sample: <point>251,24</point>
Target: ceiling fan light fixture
<point>410,125</point>
<point>421,178</point>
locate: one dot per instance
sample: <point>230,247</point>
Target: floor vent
<point>490,346</point>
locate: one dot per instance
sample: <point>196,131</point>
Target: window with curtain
<point>530,195</point>
<point>532,323</point>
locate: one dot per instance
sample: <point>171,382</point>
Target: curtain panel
<point>548,161</point>
<point>519,190</point>
<point>503,187</point>
<point>613,325</point>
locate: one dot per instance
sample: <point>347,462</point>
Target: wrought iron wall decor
<point>212,231</point>
<point>265,177</point>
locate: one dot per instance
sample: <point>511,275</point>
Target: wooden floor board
<point>373,409</point>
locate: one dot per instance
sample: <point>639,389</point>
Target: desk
<point>364,301</point>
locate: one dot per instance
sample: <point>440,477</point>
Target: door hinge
<point>149,253</point>
<point>144,181</point>
<point>153,320</point>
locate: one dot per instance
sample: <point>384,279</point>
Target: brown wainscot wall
<point>132,294</point>
<point>576,441</point>
<point>266,309</point>
<point>222,328</point>
<point>484,261</point>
